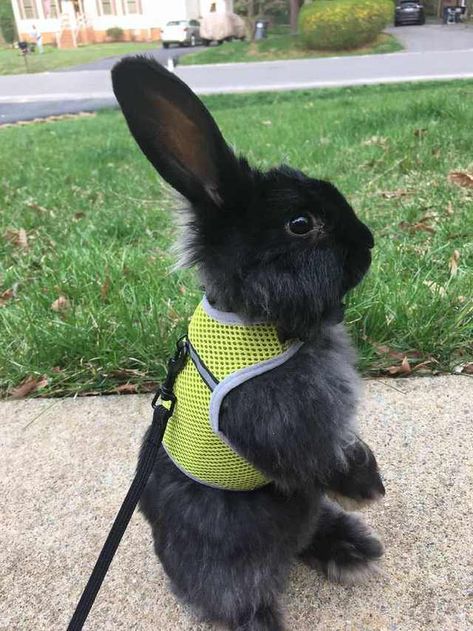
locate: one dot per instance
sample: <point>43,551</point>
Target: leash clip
<point>175,364</point>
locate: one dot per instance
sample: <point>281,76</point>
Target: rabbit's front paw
<point>360,484</point>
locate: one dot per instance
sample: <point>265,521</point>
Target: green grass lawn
<point>11,62</point>
<point>280,47</point>
<point>84,217</point>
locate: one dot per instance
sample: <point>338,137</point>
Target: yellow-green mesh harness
<point>227,352</point>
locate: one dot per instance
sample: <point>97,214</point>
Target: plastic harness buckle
<point>176,363</point>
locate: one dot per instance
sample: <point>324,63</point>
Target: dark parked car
<point>409,12</point>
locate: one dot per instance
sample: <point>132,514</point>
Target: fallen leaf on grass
<point>400,192</point>
<point>123,373</point>
<point>461,178</point>
<point>404,368</point>
<point>453,263</point>
<point>149,386</point>
<point>174,316</point>
<point>136,388</point>
<point>6,295</point>
<point>17,237</point>
<point>61,304</point>
<point>425,369</point>
<point>422,226</point>
<point>27,386</point>
<point>126,388</point>
<point>422,367</point>
<point>419,133</point>
<point>48,119</point>
<point>35,206</point>
<point>381,141</point>
<point>466,369</point>
<point>407,356</point>
<point>105,288</point>
<point>435,288</point>
<point>382,349</point>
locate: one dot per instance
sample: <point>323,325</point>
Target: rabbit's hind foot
<point>343,547</point>
<point>266,618</point>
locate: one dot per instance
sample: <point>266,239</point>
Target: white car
<point>181,32</point>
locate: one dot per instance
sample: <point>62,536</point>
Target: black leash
<point>149,452</point>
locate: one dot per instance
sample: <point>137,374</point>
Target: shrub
<point>116,34</point>
<point>341,24</point>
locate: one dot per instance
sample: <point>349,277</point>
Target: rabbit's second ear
<point>173,128</point>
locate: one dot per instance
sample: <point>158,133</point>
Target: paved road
<point>66,465</point>
<point>23,97</point>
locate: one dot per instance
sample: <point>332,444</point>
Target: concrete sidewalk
<point>66,464</point>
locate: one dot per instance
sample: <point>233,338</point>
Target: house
<point>67,23</point>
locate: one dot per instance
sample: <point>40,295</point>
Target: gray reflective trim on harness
<point>220,389</point>
<point>210,380</point>
<point>226,317</point>
<point>239,377</point>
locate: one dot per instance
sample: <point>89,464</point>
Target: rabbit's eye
<point>300,225</point>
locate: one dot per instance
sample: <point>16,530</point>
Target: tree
<point>7,22</point>
<point>295,7</point>
<point>251,9</point>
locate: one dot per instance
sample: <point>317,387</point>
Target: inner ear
<point>185,141</point>
<point>174,130</point>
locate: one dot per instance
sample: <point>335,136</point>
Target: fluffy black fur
<point>228,553</point>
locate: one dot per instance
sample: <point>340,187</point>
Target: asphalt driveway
<point>432,37</point>
<point>414,39</point>
<point>160,54</point>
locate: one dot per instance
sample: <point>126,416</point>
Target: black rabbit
<point>275,247</point>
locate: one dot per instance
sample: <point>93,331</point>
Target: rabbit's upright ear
<point>174,129</point>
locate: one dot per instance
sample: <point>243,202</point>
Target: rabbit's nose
<point>369,239</point>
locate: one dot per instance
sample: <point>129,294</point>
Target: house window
<point>106,7</point>
<point>51,8</point>
<point>28,9</point>
<point>131,6</point>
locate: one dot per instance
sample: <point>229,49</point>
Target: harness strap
<point>209,379</point>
